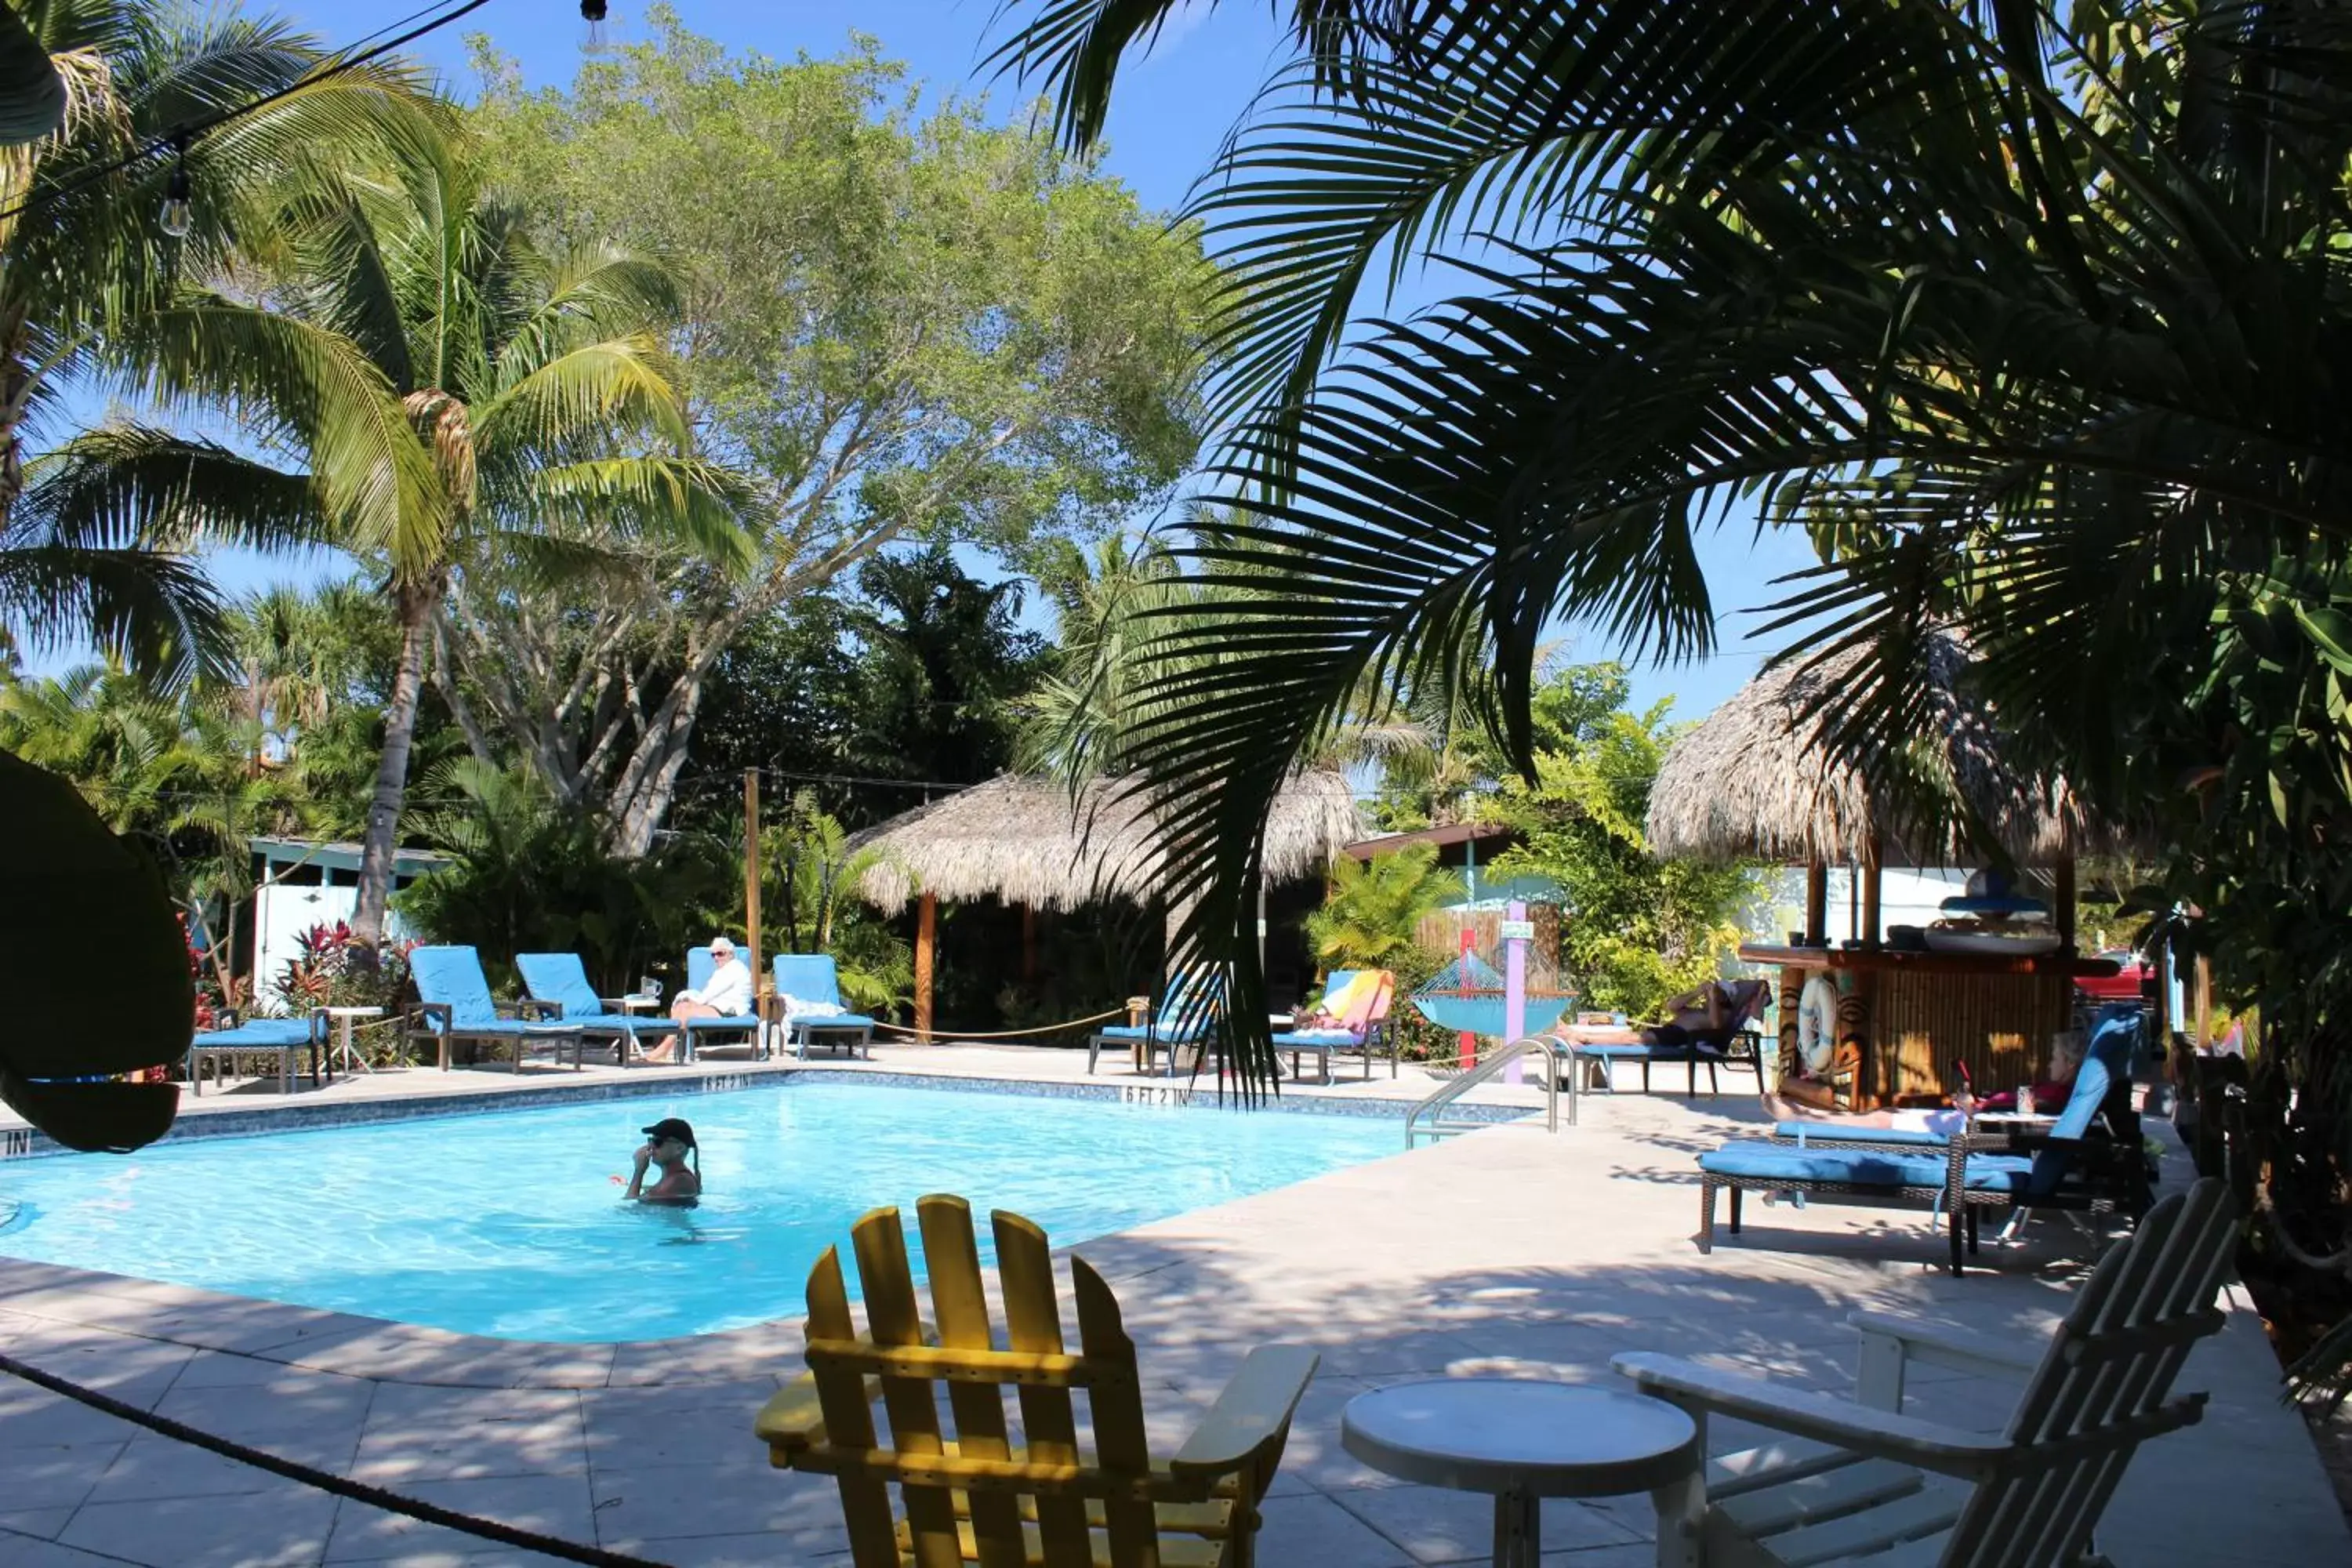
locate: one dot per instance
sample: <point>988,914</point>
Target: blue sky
<point>1168,117</point>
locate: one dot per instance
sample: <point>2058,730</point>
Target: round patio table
<point>344,1017</point>
<point>1524,1441</point>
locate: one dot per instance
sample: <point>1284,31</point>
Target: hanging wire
<point>340,64</point>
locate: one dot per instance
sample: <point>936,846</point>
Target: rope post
<point>1466,1044</point>
<point>1515,986</point>
<point>752,881</point>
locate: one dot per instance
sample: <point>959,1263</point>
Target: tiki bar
<point>1880,1018</point>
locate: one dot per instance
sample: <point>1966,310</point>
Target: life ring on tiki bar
<point>1817,1024</point>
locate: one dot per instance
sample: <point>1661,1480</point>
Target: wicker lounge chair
<point>2064,1167</point>
<point>558,983</point>
<point>971,1491</point>
<point>454,1003</point>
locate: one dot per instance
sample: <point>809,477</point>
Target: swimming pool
<point>505,1222</point>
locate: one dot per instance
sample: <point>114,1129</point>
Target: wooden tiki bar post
<point>927,933</point>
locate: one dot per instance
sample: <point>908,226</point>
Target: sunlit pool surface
<point>506,1223</point>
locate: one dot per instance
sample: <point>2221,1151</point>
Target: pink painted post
<point>1514,983</point>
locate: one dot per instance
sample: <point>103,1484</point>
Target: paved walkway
<point>1509,1251</point>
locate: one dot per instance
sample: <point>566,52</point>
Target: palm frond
<point>667,500</point>
<point>618,384</point>
<point>153,611</point>
<point>121,484</point>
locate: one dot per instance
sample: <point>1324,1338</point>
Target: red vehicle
<point>2122,986</point>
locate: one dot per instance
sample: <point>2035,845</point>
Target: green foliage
<point>1639,928</point>
<point>90,287</point>
<point>901,326</point>
<point>806,898</point>
<point>331,969</point>
<point>527,878</point>
<point>921,677</point>
<point>1376,906</point>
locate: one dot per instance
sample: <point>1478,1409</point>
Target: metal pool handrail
<point>1554,1047</point>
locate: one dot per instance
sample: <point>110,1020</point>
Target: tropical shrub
<point>331,969</point>
<point>808,870</point>
<point>526,877</point>
<point>1639,928</point>
<point>1375,906</point>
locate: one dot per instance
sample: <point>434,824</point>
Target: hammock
<point>1466,997</point>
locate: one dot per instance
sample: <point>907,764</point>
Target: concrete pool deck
<point>1506,1252</point>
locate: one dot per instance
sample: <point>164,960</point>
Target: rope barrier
<point>1006,1034</point>
<point>358,1491</point>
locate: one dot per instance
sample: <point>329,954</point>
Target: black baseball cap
<point>671,1126</point>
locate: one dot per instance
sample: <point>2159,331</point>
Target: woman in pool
<point>669,1144</point>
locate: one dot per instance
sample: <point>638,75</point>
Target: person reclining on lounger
<point>726,994</point>
<point>668,1143</point>
<point>1709,1016</point>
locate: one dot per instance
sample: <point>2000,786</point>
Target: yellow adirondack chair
<point>996,1493</point>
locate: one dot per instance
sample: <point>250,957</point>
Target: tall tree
<point>902,327</point>
<point>83,258</point>
<point>456,389</point>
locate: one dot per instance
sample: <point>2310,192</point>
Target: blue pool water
<point>506,1223</point>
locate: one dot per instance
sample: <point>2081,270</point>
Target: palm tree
<point>426,385</point>
<point>1998,305</point>
<point>82,254</point>
<point>1374,909</point>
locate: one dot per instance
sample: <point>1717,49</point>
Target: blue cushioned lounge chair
<point>2106,1064</point>
<point>1366,1037</point>
<point>2064,1167</point>
<point>286,1039</point>
<point>454,1003</point>
<point>1181,1022</point>
<point>697,1036</point>
<point>558,981</point>
<point>815,977</point>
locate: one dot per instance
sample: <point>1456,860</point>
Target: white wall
<point>281,914</point>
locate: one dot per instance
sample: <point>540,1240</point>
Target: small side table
<point>344,1017</point>
<point>636,1003</point>
<point>1524,1441</point>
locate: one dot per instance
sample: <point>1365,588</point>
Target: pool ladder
<point>1561,1057</point>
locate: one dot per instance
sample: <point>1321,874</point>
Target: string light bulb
<point>179,212</point>
<point>592,12</point>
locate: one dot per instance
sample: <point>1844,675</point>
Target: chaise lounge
<point>1360,999</point>
<point>1182,1021</point>
<point>285,1038</point>
<point>1713,1027</point>
<point>454,1003</point>
<point>812,979</point>
<point>558,983</point>
<point>2065,1166</point>
<point>695,1036</point>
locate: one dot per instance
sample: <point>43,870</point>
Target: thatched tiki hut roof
<point>1027,841</point>
<point>1024,840</point>
<point>1759,779</point>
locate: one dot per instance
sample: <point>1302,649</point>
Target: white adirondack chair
<point>1865,1483</point>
